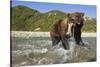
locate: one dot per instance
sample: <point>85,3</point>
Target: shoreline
<point>43,34</point>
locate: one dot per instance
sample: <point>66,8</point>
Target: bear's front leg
<point>65,43</point>
<point>55,40</point>
<point>77,36</point>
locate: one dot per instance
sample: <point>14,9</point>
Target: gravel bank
<point>42,34</point>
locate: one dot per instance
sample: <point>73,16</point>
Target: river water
<point>39,51</point>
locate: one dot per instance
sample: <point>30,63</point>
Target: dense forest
<point>26,19</point>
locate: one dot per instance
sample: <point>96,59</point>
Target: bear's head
<point>75,19</point>
<point>78,17</point>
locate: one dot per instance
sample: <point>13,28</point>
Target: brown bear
<point>78,21</point>
<point>62,29</point>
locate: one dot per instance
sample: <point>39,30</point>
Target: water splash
<point>40,51</point>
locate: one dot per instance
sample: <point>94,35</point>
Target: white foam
<point>44,50</point>
<point>44,61</point>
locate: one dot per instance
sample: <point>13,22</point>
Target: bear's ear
<point>68,14</point>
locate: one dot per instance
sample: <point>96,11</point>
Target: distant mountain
<point>21,16</point>
<point>57,12</point>
<point>26,19</point>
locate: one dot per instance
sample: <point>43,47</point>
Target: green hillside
<point>26,19</point>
